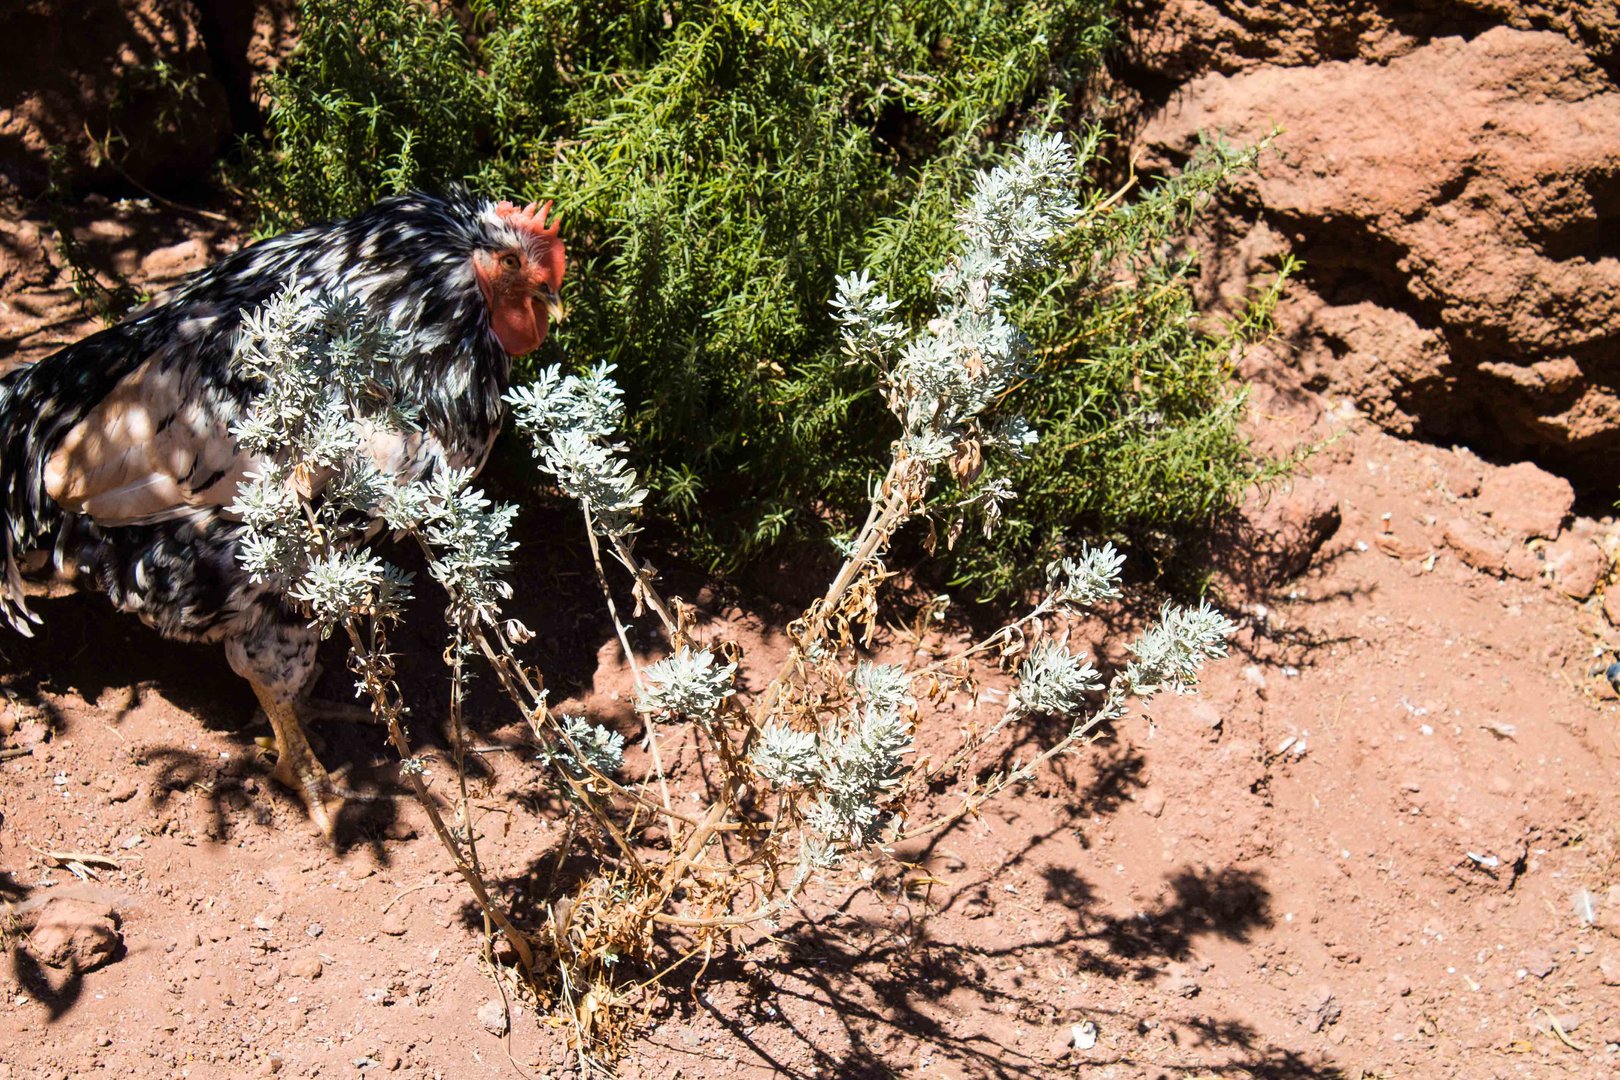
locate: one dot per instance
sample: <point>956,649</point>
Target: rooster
<point>118,463</point>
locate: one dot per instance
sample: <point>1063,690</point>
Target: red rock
<point>167,264</point>
<point>1476,547</point>
<point>1276,533</point>
<point>1459,286</point>
<point>1522,562</point>
<point>1522,500</point>
<point>1540,962</point>
<point>1609,968</point>
<point>76,934</point>
<point>1578,565</point>
<point>1611,604</point>
<point>1321,1009</point>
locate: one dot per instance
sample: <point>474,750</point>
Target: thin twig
<point>414,888</point>
<point>629,654</point>
<point>104,148</point>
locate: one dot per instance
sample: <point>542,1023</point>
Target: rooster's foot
<point>299,768</point>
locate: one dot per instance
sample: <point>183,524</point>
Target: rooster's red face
<point>520,280</point>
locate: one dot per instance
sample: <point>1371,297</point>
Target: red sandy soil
<point>1380,842</point>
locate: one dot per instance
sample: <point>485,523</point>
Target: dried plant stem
<point>644,575</point>
<point>629,656</point>
<point>373,668</point>
<point>1003,636</point>
<point>530,702</point>
<point>458,742</point>
<point>973,800</point>
<point>888,509</point>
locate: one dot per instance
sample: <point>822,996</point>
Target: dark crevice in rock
<point>1593,236</point>
<point>226,28</point>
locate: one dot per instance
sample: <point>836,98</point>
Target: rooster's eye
<point>510,261</point>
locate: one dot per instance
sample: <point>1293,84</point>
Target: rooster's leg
<point>297,766</point>
<point>277,658</point>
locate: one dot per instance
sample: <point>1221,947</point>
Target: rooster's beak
<point>553,305</point>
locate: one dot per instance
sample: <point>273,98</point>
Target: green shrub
<point>716,165</point>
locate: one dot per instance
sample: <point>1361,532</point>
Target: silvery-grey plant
<point>841,773</point>
<point>825,751</point>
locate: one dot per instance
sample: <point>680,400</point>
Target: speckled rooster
<point>117,459</point>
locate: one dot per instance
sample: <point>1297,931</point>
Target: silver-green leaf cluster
<point>689,684</point>
<point>325,371</point>
<point>570,421</point>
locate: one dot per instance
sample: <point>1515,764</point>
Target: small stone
<point>1540,962</point>
<point>1321,1009</point>
<point>1183,986</point>
<point>306,967</point>
<point>391,1060</point>
<point>174,261</point>
<point>978,905</point>
<point>1609,968</point>
<point>1461,476</point>
<point>267,976</point>
<point>1476,547</point>
<point>75,934</point>
<point>492,1015</point>
<point>122,791</point>
<point>1524,500</point>
<point>393,923</point>
<point>1567,1022</point>
<point>34,733</point>
<point>1522,563</point>
<point>1152,804</point>
<point>1577,564</point>
<point>1611,604</point>
<point>274,1063</point>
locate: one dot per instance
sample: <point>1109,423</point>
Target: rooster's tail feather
<point>13,601</point>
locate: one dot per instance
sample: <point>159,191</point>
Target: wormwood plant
<point>819,765</point>
<point>714,163</point>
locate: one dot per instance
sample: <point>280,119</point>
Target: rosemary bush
<point>817,766</point>
<point>715,164</point>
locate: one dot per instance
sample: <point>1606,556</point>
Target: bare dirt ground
<point>1381,842</point>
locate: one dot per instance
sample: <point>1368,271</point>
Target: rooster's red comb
<point>532,220</point>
